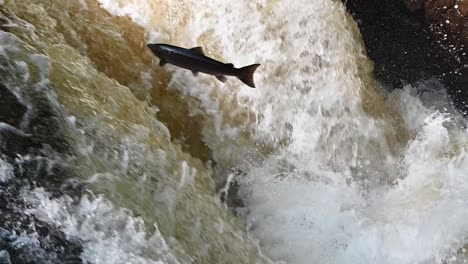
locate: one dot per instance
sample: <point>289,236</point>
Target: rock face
<point>400,39</point>
<point>24,239</point>
<point>448,19</point>
<point>11,111</point>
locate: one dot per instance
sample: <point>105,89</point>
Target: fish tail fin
<point>247,74</point>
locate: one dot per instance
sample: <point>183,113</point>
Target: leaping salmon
<point>195,60</point>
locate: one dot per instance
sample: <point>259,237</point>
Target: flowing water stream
<point>333,169</point>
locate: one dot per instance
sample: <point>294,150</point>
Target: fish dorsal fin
<point>198,50</point>
<point>230,65</point>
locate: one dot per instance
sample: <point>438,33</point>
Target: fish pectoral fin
<point>222,78</point>
<point>198,50</point>
<point>195,73</point>
<point>162,63</point>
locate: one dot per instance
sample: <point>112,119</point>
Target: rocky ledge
<point>410,41</point>
<point>26,139</point>
<point>448,19</point>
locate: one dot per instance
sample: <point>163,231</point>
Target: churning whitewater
<point>336,169</point>
<point>352,176</point>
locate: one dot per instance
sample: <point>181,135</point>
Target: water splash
<point>109,235</point>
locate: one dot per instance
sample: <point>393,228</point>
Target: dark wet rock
<point>27,239</point>
<point>448,21</point>
<point>404,49</point>
<point>11,110</point>
<point>31,162</point>
<point>33,142</point>
<point>4,24</point>
<point>31,249</point>
<point>415,5</point>
<point>46,124</point>
<point>229,194</point>
<point>438,12</point>
<point>43,123</point>
<point>14,142</point>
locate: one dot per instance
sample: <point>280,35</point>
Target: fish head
<point>156,49</point>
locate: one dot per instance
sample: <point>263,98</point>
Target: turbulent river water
<point>109,158</point>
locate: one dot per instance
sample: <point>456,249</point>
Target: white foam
<point>109,235</point>
<point>305,219</point>
<point>6,171</point>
